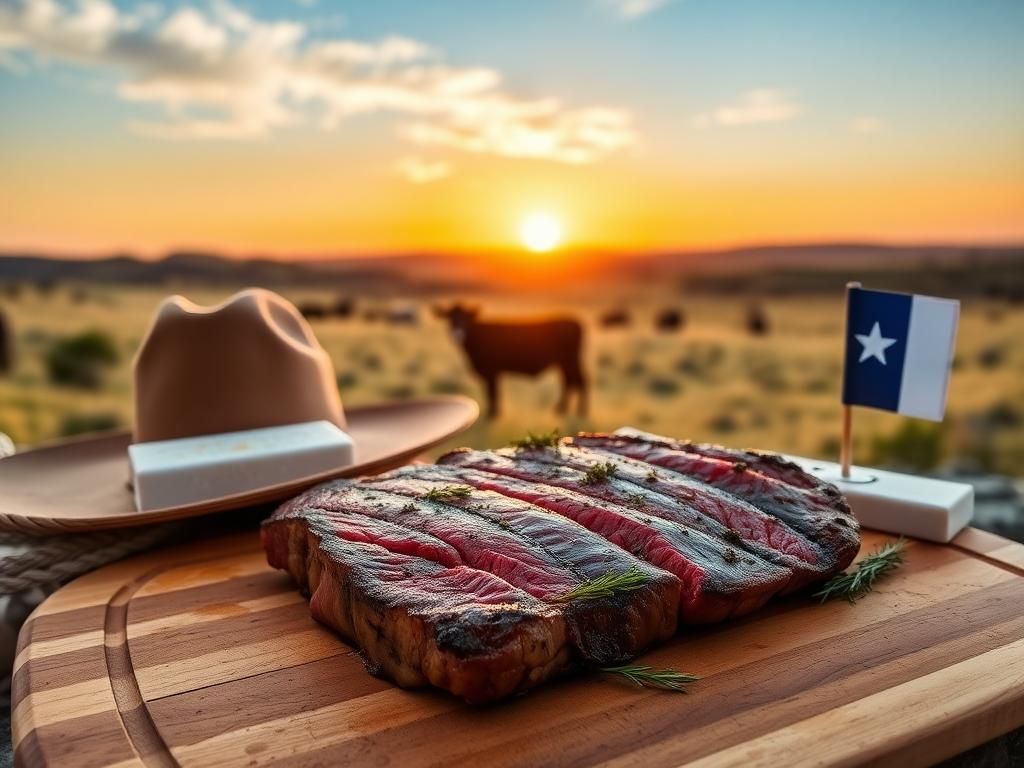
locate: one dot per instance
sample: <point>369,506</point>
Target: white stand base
<point>921,507</point>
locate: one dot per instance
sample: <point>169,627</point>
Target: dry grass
<point>713,381</point>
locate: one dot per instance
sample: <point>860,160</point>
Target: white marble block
<point>922,507</point>
<point>171,473</point>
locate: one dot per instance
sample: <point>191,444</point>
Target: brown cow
<point>6,344</point>
<point>528,346</point>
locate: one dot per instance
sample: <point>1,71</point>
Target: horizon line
<point>574,251</point>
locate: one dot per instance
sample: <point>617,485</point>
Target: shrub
<point>81,423</point>
<point>447,386</point>
<point>635,369</point>
<point>724,424</point>
<point>992,357</point>
<point>400,392</point>
<point>79,361</point>
<point>346,379</point>
<point>914,446</point>
<point>662,386</point>
<point>6,345</point>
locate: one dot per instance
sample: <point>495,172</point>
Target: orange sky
<point>420,145</point>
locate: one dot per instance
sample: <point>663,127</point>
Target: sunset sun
<point>540,232</point>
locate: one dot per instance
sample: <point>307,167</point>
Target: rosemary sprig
<point>537,441</point>
<point>607,585</point>
<point>448,492</point>
<point>648,677</point>
<point>855,584</point>
<point>600,473</point>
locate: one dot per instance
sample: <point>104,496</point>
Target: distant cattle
<point>615,318</point>
<point>313,311</point>
<point>523,346</point>
<point>402,314</point>
<point>757,321</point>
<point>6,343</point>
<point>343,308</point>
<point>669,320</point>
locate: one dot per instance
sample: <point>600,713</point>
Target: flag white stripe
<point>930,341</point>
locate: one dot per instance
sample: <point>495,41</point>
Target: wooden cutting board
<point>202,655</point>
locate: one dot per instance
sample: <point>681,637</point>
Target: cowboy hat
<point>247,363</point>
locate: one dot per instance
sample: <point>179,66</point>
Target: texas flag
<point>899,350</point>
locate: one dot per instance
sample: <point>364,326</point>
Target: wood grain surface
<point>204,656</point>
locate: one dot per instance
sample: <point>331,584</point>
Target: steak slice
<point>415,620</point>
<point>814,508</point>
<point>661,494</point>
<point>717,581</point>
<point>482,523</point>
<point>542,554</point>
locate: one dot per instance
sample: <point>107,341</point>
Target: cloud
<point>420,171</point>
<point>216,72</point>
<point>538,129</point>
<point>762,105</point>
<point>634,9</point>
<point>867,124</point>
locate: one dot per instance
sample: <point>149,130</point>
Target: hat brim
<point>81,485</point>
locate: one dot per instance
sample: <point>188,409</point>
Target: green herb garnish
<point>636,501</point>
<point>857,583</point>
<point>600,473</point>
<point>448,492</point>
<point>607,585</point>
<point>648,677</point>
<point>537,441</point>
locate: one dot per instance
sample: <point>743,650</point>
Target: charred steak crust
<point>670,496</point>
<point>417,622</point>
<point>718,580</point>
<point>779,487</point>
<point>605,630</point>
<point>462,575</point>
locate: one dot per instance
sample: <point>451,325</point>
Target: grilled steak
<point>540,557</point>
<point>813,508</point>
<point>485,574</point>
<point>417,621</point>
<point>719,580</point>
<point>665,494</point>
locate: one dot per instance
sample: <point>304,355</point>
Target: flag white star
<point>874,345</point>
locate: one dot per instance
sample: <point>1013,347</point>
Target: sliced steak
<point>483,523</point>
<point>668,495</point>
<point>415,620</point>
<point>544,555</point>
<point>718,580</point>
<point>813,508</point>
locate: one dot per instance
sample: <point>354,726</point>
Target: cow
<point>757,321</point>
<point>402,314</point>
<point>6,349</point>
<point>615,318</point>
<point>670,320</point>
<point>313,311</point>
<point>524,346</point>
<point>343,308</point>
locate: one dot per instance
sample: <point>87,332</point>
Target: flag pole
<point>846,444</point>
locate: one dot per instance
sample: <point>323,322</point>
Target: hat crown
<point>251,361</point>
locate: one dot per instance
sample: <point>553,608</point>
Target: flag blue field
<point>899,351</point>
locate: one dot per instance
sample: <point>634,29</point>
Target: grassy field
<point>711,381</point>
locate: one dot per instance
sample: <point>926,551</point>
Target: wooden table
<point>204,656</point>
